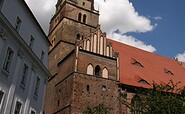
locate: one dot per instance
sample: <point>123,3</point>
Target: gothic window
<point>136,103</point>
<point>18,24</point>
<point>105,73</point>
<point>78,36</point>
<point>90,69</point>
<point>79,17</point>
<point>97,70</point>
<point>8,60</point>
<point>84,18</point>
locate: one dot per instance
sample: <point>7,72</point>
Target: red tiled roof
<point>155,68</point>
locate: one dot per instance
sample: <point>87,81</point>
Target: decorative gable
<point>97,43</point>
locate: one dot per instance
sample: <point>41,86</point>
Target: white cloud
<point>43,11</point>
<point>130,40</point>
<point>121,15</point>
<point>181,57</point>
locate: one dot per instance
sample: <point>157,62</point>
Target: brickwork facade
<point>83,63</point>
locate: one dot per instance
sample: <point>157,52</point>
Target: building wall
<point>16,8</point>
<point>11,79</point>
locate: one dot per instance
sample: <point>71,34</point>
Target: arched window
<point>105,73</point>
<point>84,18</point>
<point>79,17</point>
<point>97,70</point>
<point>78,36</point>
<point>136,105</point>
<point>90,69</point>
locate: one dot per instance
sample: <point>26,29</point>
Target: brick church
<point>88,69</point>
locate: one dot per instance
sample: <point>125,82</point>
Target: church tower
<point>73,20</point>
<point>83,64</point>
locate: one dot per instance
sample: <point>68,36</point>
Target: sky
<point>156,26</point>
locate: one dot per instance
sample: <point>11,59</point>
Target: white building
<point>23,60</point>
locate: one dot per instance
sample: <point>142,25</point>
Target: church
<point>89,69</point>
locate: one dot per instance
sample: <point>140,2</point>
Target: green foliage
<point>162,99</point>
<point>100,109</point>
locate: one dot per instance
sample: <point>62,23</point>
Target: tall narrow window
<point>1,98</point>
<point>37,86</point>
<point>18,24</point>
<point>105,73</point>
<point>90,69</point>
<point>97,70</point>
<point>17,107</point>
<point>24,75</point>
<point>78,36</point>
<point>79,17</point>
<point>8,60</point>
<point>84,18</point>
<point>42,56</point>
<point>31,42</point>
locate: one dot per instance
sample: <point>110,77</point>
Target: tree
<point>100,109</point>
<point>161,99</point>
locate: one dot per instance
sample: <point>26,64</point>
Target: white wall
<point>18,42</point>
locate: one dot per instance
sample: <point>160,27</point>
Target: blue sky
<point>156,26</point>
<point>169,35</point>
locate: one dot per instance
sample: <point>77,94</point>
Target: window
<point>37,86</point>
<point>42,56</point>
<point>17,108</point>
<point>90,69</point>
<point>78,36</point>
<point>105,73</point>
<point>88,88</point>
<point>79,17</point>
<point>103,88</point>
<point>142,81</point>
<point>18,24</point>
<point>33,112</point>
<point>136,63</point>
<point>168,72</point>
<point>24,74</point>
<point>84,18</point>
<point>83,3</point>
<point>97,70</point>
<point>8,60</point>
<point>1,98</point>
<point>31,42</point>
